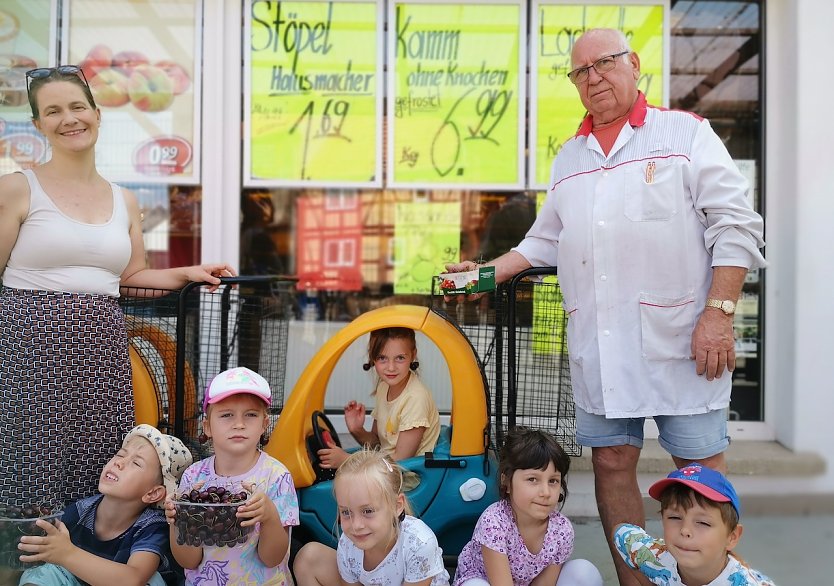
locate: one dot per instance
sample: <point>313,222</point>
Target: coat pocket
<point>653,191</point>
<point>666,325</point>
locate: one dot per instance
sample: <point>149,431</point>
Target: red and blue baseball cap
<point>703,480</point>
<point>234,382</point>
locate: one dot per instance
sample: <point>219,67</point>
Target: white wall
<point>799,290</point>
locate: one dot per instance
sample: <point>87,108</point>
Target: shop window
<point>717,53</point>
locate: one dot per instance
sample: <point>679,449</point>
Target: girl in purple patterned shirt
<point>524,539</point>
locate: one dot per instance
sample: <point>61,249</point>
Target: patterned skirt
<point>66,395</point>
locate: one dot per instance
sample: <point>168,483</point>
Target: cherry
<point>16,521</point>
<point>203,520</point>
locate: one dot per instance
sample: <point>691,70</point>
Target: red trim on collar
<point>693,114</point>
<point>637,116</point>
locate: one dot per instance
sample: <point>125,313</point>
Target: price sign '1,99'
<point>24,149</point>
<point>314,109</point>
<point>456,94</point>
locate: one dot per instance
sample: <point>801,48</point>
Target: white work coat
<point>634,236</point>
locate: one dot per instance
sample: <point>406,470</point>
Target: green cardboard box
<point>479,280</point>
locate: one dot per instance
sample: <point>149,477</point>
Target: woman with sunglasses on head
<point>68,240</point>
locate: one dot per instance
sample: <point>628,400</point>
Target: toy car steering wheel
<point>322,438</point>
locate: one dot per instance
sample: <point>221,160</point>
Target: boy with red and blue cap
<point>700,512</point>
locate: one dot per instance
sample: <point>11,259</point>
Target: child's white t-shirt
<point>643,552</point>
<point>415,557</point>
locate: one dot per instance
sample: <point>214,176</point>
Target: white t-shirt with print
<point>415,557</point>
<point>643,552</point>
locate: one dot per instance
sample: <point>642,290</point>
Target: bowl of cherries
<point>16,522</point>
<point>207,517</point>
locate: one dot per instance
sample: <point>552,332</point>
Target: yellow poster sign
<point>557,26</point>
<point>426,237</point>
<point>314,94</point>
<point>548,312</point>
<point>456,94</point>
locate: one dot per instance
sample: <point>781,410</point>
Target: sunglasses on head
<point>44,72</point>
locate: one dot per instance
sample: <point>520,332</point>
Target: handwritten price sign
<point>557,27</point>
<point>456,94</point>
<point>314,106</point>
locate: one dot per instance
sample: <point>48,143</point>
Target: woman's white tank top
<point>54,252</point>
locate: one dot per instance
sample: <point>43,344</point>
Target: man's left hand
<point>713,345</point>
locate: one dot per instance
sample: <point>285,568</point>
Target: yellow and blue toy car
<point>461,454</point>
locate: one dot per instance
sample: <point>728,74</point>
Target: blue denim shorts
<point>689,437</point>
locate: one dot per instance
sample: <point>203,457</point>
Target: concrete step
<point>769,478</point>
<point>743,458</point>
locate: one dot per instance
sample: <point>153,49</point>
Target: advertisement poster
<point>556,111</point>
<point>426,238</point>
<point>142,60</point>
<point>456,94</point>
<point>27,33</point>
<point>313,94</point>
<point>549,334</point>
<point>329,241</point>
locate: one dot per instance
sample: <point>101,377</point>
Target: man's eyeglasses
<point>44,72</point>
<point>604,65</point>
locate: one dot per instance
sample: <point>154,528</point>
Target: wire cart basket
<point>182,339</point>
<point>518,333</point>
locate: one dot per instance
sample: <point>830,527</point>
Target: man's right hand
<point>461,267</point>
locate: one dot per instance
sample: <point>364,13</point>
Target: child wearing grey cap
<point>119,536</point>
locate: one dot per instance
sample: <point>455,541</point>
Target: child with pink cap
<point>700,512</point>
<point>236,418</point>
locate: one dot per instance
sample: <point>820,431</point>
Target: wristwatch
<point>726,305</point>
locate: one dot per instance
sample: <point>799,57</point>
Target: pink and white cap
<point>234,382</point>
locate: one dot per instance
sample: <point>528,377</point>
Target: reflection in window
<point>716,64</point>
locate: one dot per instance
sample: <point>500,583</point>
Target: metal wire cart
<point>179,340</point>
<point>518,332</point>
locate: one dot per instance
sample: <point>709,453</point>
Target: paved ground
<point>791,550</point>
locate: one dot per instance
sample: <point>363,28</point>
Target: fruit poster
<point>27,33</point>
<point>457,94</point>
<point>142,60</point>
<point>426,238</point>
<point>555,108</point>
<point>313,94</point>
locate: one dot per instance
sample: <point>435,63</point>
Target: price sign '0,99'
<point>162,156</point>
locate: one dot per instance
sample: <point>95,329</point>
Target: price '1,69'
<point>330,118</point>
